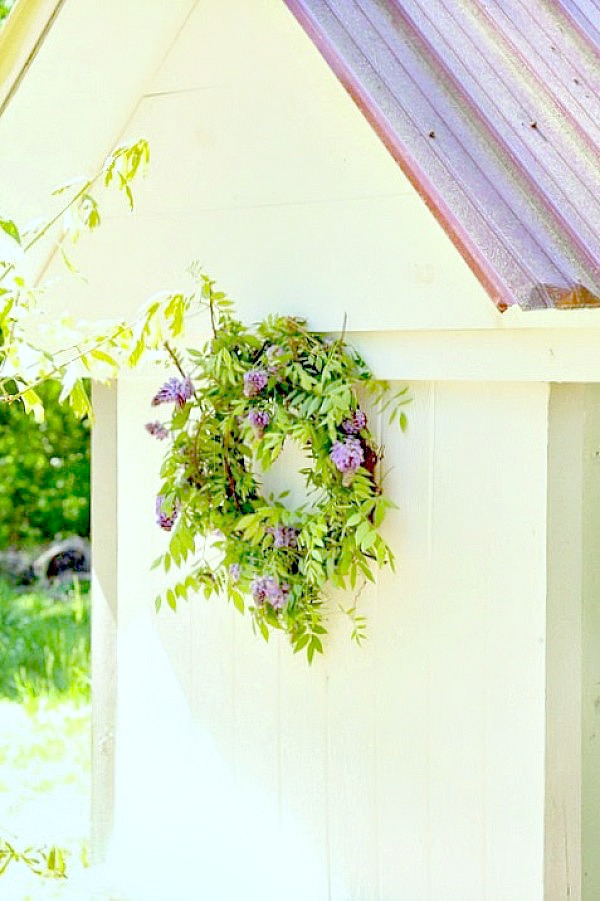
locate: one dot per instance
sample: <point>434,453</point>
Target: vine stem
<point>54,219</point>
<point>230,480</point>
<point>212,315</point>
<point>175,358</point>
<point>56,371</point>
<point>48,225</point>
<point>344,325</point>
<point>77,196</point>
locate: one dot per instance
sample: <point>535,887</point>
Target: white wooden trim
<point>590,653</point>
<point>20,39</point>
<point>513,355</point>
<point>572,868</point>
<point>104,616</point>
<point>562,877</point>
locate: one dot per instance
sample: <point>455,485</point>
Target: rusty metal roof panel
<point>492,109</point>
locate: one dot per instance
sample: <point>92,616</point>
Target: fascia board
<point>20,39</point>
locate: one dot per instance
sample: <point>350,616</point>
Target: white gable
<point>263,169</point>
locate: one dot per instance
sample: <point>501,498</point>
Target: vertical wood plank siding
<point>411,768</point>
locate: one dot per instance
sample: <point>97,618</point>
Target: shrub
<point>44,473</point>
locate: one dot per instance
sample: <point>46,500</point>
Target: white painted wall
<point>410,769</point>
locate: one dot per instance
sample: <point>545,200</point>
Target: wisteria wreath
<point>235,403</point>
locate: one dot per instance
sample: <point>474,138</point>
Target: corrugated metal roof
<point>492,108</point>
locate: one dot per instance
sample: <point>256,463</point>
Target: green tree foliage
<point>44,473</point>
<point>44,459</point>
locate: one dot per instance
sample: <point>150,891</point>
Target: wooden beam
<point>104,616</point>
<point>20,39</point>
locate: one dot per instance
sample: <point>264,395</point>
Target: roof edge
<point>498,292</point>
<point>20,40</point>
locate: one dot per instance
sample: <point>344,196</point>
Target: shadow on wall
<point>221,830</point>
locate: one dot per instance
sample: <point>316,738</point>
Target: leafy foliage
<point>89,350</point>
<point>49,862</point>
<point>44,473</point>
<point>240,397</point>
<point>33,504</point>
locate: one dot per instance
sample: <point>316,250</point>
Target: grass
<point>44,645</point>
<point>44,737</point>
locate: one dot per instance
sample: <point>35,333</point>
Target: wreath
<point>235,403</point>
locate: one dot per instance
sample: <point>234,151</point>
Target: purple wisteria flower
<point>347,455</point>
<point>273,351</point>
<point>356,424</point>
<point>165,520</point>
<point>266,589</point>
<point>235,571</point>
<point>157,430</point>
<point>174,391</point>
<point>255,381</point>
<point>259,420</point>
<point>283,536</point>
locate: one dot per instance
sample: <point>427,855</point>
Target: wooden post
<point>590,694</point>
<point>573,645</point>
<point>104,616</point>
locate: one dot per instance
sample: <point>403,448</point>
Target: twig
<point>344,324</point>
<point>212,315</point>
<point>175,358</point>
<point>56,371</point>
<point>230,480</point>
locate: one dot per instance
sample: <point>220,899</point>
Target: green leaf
<point>103,357</point>
<point>362,531</point>
<point>175,313</point>
<point>301,642</point>
<point>10,228</point>
<point>379,515</point>
<point>33,404</point>
<point>68,262</point>
<point>354,520</point>
<point>369,540</point>
<point>315,646</point>
<point>78,399</point>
